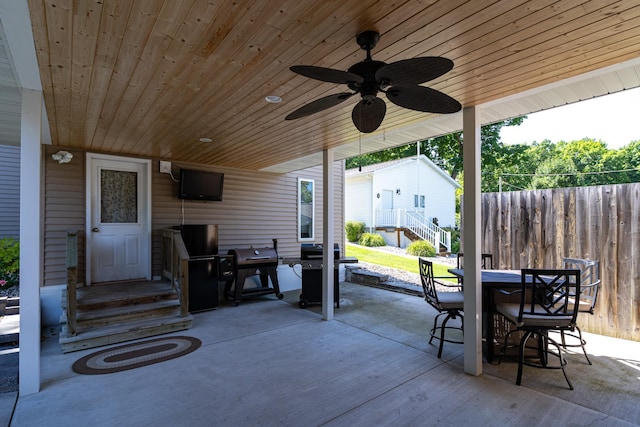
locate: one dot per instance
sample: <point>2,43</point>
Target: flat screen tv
<point>200,185</point>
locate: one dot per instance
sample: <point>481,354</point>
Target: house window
<point>418,201</point>
<point>306,209</point>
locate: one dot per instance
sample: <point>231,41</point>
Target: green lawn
<point>372,256</point>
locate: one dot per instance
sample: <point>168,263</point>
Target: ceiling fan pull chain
<point>360,151</point>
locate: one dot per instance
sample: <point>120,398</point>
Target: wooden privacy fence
<point>538,228</point>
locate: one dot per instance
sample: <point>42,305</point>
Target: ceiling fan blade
<point>368,114</point>
<point>421,98</point>
<point>414,71</point>
<point>319,105</point>
<point>327,74</point>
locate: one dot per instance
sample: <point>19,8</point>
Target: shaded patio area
<point>268,362</point>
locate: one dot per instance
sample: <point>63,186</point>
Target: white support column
<point>327,234</point>
<point>30,241</point>
<point>471,219</point>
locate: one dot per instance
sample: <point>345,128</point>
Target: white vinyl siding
<point>10,191</point>
<point>358,203</point>
<point>404,180</point>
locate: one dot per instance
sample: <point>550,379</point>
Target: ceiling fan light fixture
<point>400,81</point>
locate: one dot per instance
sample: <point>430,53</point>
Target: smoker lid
<point>254,256</point>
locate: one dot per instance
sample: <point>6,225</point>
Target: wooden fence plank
<point>538,228</point>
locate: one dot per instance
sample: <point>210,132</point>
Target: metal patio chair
<point>589,284</point>
<point>547,303</point>
<point>448,304</point>
<point>486,261</point>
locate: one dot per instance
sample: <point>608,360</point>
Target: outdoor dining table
<point>494,327</point>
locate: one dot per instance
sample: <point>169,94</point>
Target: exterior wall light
<point>62,156</point>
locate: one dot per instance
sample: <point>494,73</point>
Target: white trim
<point>313,211</point>
<point>562,83</point>
<point>327,235</point>
<point>471,235</point>
<point>145,211</point>
<point>31,253</point>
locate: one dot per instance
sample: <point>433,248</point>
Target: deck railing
<point>175,266</point>
<point>428,231</point>
<point>417,222</point>
<point>72,281</point>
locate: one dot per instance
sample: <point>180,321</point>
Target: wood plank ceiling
<point>149,78</point>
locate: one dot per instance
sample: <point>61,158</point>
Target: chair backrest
<point>486,261</point>
<point>589,280</point>
<point>428,283</point>
<point>547,294</point>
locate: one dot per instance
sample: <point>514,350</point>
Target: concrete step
<point>360,275</point>
<point>9,329</point>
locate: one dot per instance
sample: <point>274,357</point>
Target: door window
<point>118,197</point>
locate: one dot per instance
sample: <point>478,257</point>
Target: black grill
<point>314,251</point>
<point>251,262</point>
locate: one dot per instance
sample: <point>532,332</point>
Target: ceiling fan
<point>400,81</point>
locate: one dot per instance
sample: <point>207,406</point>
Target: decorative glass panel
<point>118,197</point>
<point>306,204</point>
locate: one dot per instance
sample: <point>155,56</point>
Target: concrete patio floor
<point>268,362</point>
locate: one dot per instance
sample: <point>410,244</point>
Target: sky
<point>613,119</point>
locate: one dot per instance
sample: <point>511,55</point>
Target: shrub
<point>9,262</point>
<point>421,248</point>
<point>354,230</point>
<point>371,239</point>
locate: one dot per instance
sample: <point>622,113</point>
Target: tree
<point>586,155</point>
<point>571,164</point>
<point>445,151</point>
<point>524,166</point>
<point>553,173</point>
<point>626,160</point>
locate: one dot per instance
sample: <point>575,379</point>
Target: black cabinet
<point>312,286</point>
<point>201,242</point>
<point>203,284</point>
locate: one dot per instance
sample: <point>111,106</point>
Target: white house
<point>406,194</point>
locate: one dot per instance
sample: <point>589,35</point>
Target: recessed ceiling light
<point>273,99</point>
<point>206,140</point>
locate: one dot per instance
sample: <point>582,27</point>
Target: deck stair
<point>119,312</point>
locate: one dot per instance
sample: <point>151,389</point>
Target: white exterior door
<point>118,219</point>
<point>387,199</point>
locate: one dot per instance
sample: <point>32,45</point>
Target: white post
<point>30,241</point>
<point>471,219</point>
<point>327,235</point>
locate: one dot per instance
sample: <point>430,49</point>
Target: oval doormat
<point>134,355</point>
